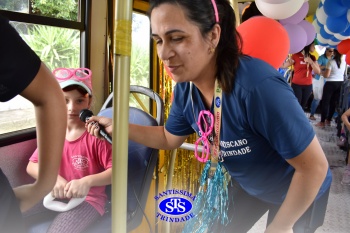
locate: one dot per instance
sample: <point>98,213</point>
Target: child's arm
<point>81,187</point>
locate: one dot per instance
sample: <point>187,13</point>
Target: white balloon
<point>282,10</point>
<point>327,30</point>
<point>321,15</point>
<point>321,39</point>
<point>341,37</point>
<point>316,26</point>
<point>330,42</point>
<point>348,15</point>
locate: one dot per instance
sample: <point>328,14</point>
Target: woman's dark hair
<point>307,49</point>
<point>337,57</point>
<point>201,12</point>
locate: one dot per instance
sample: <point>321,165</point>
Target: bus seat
<point>142,161</point>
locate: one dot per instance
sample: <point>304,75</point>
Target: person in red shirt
<point>305,65</point>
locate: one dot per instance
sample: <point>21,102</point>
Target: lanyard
<point>215,148</point>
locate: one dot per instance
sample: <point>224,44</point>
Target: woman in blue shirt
<point>265,141</point>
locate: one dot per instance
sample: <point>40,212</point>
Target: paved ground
<point>338,210</point>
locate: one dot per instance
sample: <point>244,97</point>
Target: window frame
<point>82,26</point>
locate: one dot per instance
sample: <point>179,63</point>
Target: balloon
<point>324,33</point>
<point>266,39</point>
<point>322,40</point>
<point>298,16</point>
<point>347,58</point>
<point>344,46</point>
<point>337,24</point>
<point>348,15</point>
<point>334,8</point>
<point>279,10</point>
<point>346,3</point>
<point>316,26</point>
<point>321,15</point>
<point>309,29</point>
<point>297,37</point>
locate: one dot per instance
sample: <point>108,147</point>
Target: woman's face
<point>180,44</point>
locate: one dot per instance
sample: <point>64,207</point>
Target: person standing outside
<point>304,66</point>
<point>334,74</point>
<point>22,72</point>
<point>322,61</point>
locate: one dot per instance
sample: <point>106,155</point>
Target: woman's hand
<point>93,124</point>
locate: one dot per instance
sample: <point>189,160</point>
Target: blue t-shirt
<point>322,61</point>
<point>262,125</point>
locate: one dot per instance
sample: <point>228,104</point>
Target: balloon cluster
<point>266,38</point>
<point>332,22</point>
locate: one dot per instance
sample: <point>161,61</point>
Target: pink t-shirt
<point>85,156</point>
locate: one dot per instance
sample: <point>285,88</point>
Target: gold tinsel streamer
<point>187,169</point>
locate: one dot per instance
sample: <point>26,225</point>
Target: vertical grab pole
<point>121,86</point>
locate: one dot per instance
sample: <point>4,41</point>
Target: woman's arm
<point>50,112</point>
<point>152,136</point>
<point>327,71</point>
<point>311,168</point>
<point>314,65</point>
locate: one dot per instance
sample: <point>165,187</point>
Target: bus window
<point>57,42</point>
<point>140,55</point>
<point>63,9</point>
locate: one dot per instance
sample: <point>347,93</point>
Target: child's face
<point>75,102</point>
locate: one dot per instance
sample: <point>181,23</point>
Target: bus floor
<point>337,218</point>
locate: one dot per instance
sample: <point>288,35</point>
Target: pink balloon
<point>297,37</point>
<point>310,31</point>
<point>298,16</point>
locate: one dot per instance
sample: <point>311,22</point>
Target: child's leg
<point>75,220</point>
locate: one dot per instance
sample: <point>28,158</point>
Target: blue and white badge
<point>217,102</point>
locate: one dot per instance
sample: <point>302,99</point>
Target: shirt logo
<point>80,162</point>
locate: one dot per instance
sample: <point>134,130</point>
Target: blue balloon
<point>334,39</point>
<point>319,23</point>
<point>324,34</point>
<point>334,8</point>
<point>346,32</point>
<point>337,24</point>
<point>346,3</point>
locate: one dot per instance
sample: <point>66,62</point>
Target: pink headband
<point>215,11</point>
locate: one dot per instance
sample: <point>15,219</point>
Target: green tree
<point>14,5</point>
<point>63,9</point>
<point>57,47</point>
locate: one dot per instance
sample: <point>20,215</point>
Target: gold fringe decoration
<point>187,170</point>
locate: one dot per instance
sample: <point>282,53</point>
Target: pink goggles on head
<point>79,75</point>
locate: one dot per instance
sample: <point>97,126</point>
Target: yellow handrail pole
<point>121,87</point>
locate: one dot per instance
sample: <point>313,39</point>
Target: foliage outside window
<point>140,55</point>
<point>57,47</point>
<point>63,9</point>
